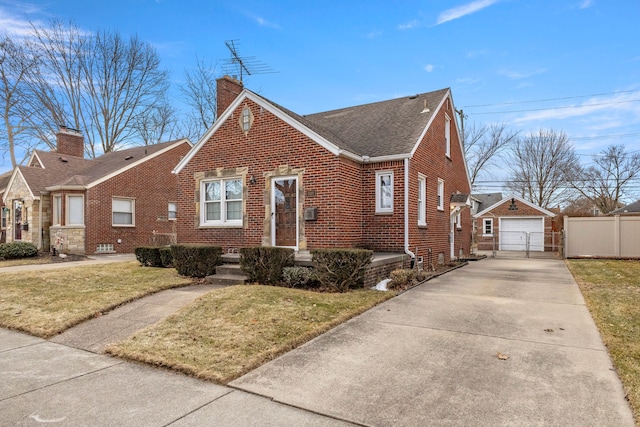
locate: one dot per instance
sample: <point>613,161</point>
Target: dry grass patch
<point>611,289</point>
<point>47,302</point>
<point>229,332</point>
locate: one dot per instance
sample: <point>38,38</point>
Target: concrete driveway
<point>498,342</point>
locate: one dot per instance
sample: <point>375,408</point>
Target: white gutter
<point>406,211</point>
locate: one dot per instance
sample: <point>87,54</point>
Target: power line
<point>550,99</point>
<point>557,108</point>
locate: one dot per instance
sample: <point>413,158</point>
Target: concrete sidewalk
<point>430,356</point>
<point>91,260</point>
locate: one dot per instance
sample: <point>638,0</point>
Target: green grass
<point>47,302</point>
<point>611,289</point>
<point>231,331</point>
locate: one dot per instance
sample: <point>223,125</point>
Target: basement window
<point>104,248</point>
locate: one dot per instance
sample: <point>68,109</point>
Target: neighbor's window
<point>440,194</point>
<point>173,210</point>
<point>422,203</point>
<point>447,136</point>
<point>57,210</point>
<point>221,202</point>
<point>487,228</point>
<point>123,212</point>
<point>75,210</point>
<point>384,191</point>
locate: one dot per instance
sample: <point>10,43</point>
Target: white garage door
<point>514,233</point>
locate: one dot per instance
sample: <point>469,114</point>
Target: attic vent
<point>128,158</point>
<point>413,96</point>
<point>63,159</point>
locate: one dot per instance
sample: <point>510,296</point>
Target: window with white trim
<point>440,194</point>
<point>384,191</point>
<point>459,221</point>
<point>75,210</point>
<point>487,227</point>
<point>447,136</point>
<point>422,202</point>
<point>221,202</point>
<point>57,210</point>
<point>123,212</point>
<point>172,211</point>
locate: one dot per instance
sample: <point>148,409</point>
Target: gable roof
<point>58,171</point>
<point>520,200</point>
<point>4,180</point>
<point>386,130</point>
<point>630,209</point>
<point>486,199</point>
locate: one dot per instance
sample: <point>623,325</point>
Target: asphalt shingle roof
<point>631,208</point>
<point>378,129</point>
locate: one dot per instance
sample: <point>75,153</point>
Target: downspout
<point>40,224</point>
<point>406,212</point>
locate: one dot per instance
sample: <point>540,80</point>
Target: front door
<point>17,220</point>
<point>284,205</point>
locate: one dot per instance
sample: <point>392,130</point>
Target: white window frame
<point>56,210</point>
<point>422,199</point>
<point>173,205</point>
<point>132,203</point>
<point>223,221</point>
<point>485,222</point>
<point>379,205</point>
<point>68,220</point>
<point>447,136</point>
<point>459,220</point>
<point>440,194</point>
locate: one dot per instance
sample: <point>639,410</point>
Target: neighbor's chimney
<point>70,142</point>
<point>227,90</point>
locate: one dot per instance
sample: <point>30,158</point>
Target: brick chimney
<point>227,90</point>
<point>69,142</point>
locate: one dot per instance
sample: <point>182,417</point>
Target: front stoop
<point>227,275</point>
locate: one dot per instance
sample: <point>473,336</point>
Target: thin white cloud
<point>409,25</point>
<point>374,34</point>
<point>14,25</point>
<point>585,4</point>
<point>476,53</point>
<point>516,75</point>
<point>428,68</point>
<point>264,23</point>
<point>460,11</point>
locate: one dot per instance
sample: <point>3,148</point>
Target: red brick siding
<point>430,160</point>
<point>152,185</point>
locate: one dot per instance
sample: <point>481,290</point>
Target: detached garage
<point>513,224</point>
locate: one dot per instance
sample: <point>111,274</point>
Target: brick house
<point>4,180</point>
<point>388,176</point>
<point>511,223</point>
<point>112,203</point>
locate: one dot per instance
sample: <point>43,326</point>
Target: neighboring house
<point>112,203</point>
<point>630,209</point>
<point>388,176</point>
<point>4,180</point>
<point>512,223</point>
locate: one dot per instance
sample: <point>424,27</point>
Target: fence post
<point>527,237</point>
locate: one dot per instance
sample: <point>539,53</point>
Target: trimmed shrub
<point>341,269</point>
<point>148,256</point>
<point>265,264</point>
<point>196,260</point>
<point>13,250</point>
<point>401,278</point>
<point>299,277</point>
<point>166,258</point>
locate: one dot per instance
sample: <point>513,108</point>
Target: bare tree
<point>159,124</point>
<point>610,178</point>
<point>100,83</point>
<point>14,64</point>
<point>483,143</point>
<point>543,165</point>
<point>199,92</point>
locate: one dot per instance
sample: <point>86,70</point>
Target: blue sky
<point>569,65</point>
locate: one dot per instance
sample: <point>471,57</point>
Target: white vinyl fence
<point>606,236</point>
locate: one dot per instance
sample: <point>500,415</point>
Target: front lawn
<point>47,302</point>
<point>231,331</point>
<point>611,289</point>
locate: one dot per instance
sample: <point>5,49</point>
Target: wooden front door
<point>285,212</point>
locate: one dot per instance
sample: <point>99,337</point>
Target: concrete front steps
<point>229,273</point>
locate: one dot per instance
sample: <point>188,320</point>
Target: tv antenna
<point>240,65</point>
